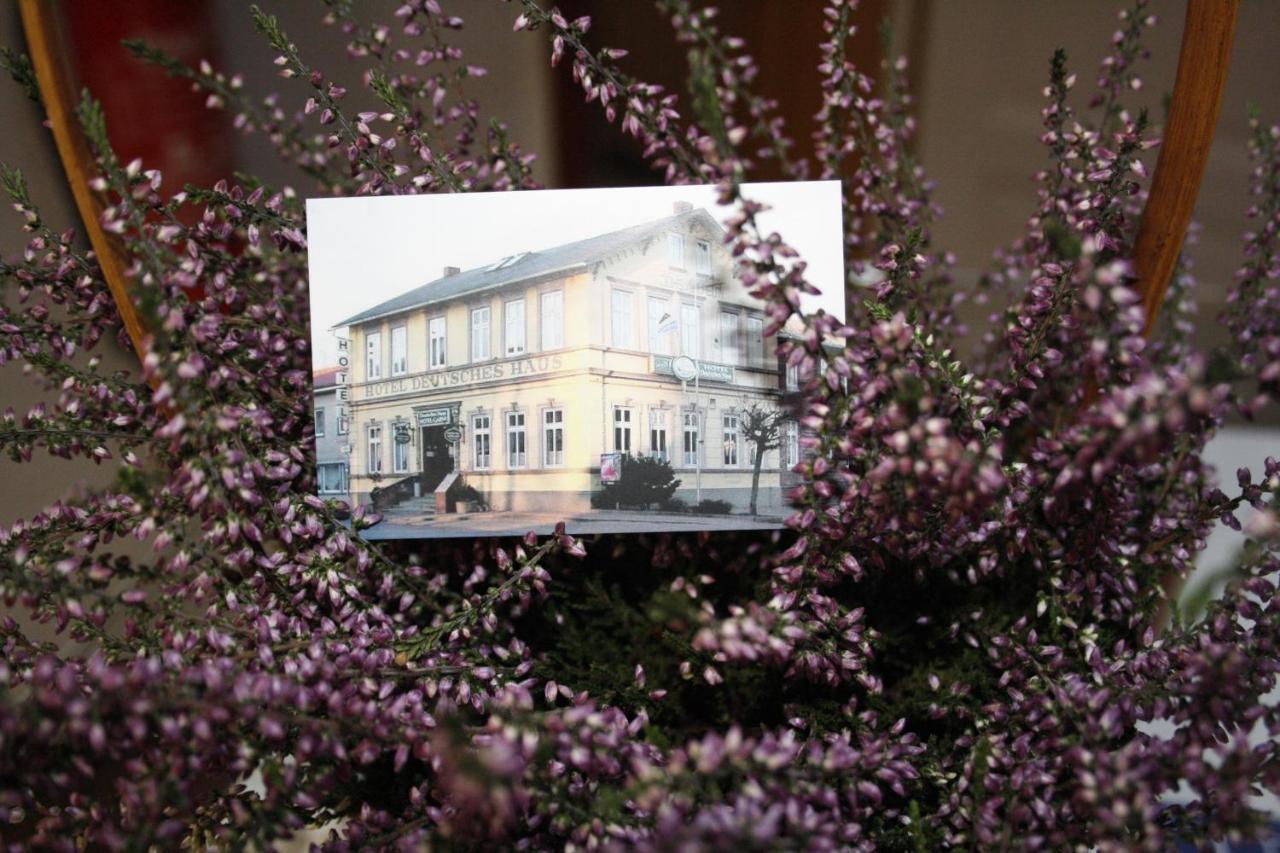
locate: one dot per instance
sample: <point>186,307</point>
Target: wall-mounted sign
<point>402,434</point>
<point>453,433</point>
<point>517,368</point>
<point>439,416</point>
<point>610,467</point>
<point>708,371</point>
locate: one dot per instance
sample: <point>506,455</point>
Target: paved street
<point>581,524</point>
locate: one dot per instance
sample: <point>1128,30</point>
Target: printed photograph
<point>495,363</point>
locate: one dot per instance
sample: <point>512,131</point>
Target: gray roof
<point>532,265</point>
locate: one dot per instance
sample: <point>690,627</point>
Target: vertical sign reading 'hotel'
<point>343,381</point>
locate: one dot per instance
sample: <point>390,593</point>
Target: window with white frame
<point>730,424</point>
<point>553,437</point>
<point>552,322</point>
<point>480,435</point>
<point>319,423</point>
<point>399,456</point>
<point>675,250</point>
<point>620,311</point>
<point>690,438</point>
<point>399,350</point>
<point>621,429</point>
<point>660,325</point>
<point>516,445</point>
<point>791,444</point>
<point>658,434</point>
<point>690,333</point>
<point>729,337</point>
<point>331,477</point>
<point>513,320</point>
<point>373,355</point>
<point>792,376</point>
<point>480,333</point>
<point>755,341</point>
<point>374,449</point>
<point>702,258</point>
<point>436,352</point>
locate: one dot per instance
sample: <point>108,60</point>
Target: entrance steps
<point>425,505</point>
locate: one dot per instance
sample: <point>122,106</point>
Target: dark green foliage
<point>644,482</point>
<point>714,506</point>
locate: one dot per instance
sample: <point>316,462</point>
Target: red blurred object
<point>150,114</point>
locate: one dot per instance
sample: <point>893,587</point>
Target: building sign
<point>402,434</point>
<point>342,381</point>
<point>439,416</point>
<point>453,433</point>
<point>708,371</point>
<point>504,370</point>
<point>610,467</point>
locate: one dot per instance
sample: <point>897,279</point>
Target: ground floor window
<point>515,440</point>
<point>399,455</point>
<point>791,444</point>
<point>553,437</point>
<point>621,429</point>
<point>331,477</point>
<point>374,457</point>
<point>658,434</point>
<point>730,424</point>
<point>480,439</point>
<point>690,438</point>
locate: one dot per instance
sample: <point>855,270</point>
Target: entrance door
<point>437,456</point>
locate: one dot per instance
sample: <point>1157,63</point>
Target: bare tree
<point>761,429</point>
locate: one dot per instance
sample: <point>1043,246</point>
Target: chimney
<point>682,207</point>
<point>448,271</point>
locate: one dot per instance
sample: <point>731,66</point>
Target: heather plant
<point>957,641</point>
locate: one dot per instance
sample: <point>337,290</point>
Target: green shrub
<point>714,506</point>
<point>644,482</point>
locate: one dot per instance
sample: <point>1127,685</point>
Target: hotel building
<point>517,376</point>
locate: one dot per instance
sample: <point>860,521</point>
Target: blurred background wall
<point>978,68</point>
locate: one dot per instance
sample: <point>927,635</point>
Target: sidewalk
<point>543,523</point>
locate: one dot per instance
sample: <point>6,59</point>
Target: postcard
<point>487,364</point>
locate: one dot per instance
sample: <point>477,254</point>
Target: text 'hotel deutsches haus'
<point>520,374</point>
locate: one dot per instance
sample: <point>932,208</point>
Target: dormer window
<point>509,260</point>
<point>702,258</point>
<point>675,250</point>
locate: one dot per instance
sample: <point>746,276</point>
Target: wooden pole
<point>1203,60</point>
<point>59,95</point>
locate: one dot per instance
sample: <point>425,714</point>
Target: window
<point>621,429</point>
<point>480,333</point>
<point>658,434</point>
<point>661,324</point>
<point>552,319</point>
<point>620,302</point>
<point>399,351</point>
<point>728,337</point>
<point>331,477</point>
<point>690,333</point>
<point>480,432</point>
<point>399,455</point>
<point>373,352</point>
<point>515,440</point>
<point>675,250</point>
<point>513,316</point>
<point>435,343</point>
<point>702,258</point>
<point>375,449</point>
<point>791,444</point>
<point>730,424</point>
<point>690,438</point>
<point>793,377</point>
<point>319,423</point>
<point>553,437</point>
<point>755,341</point>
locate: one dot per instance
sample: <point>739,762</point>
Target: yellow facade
<point>543,374</point>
